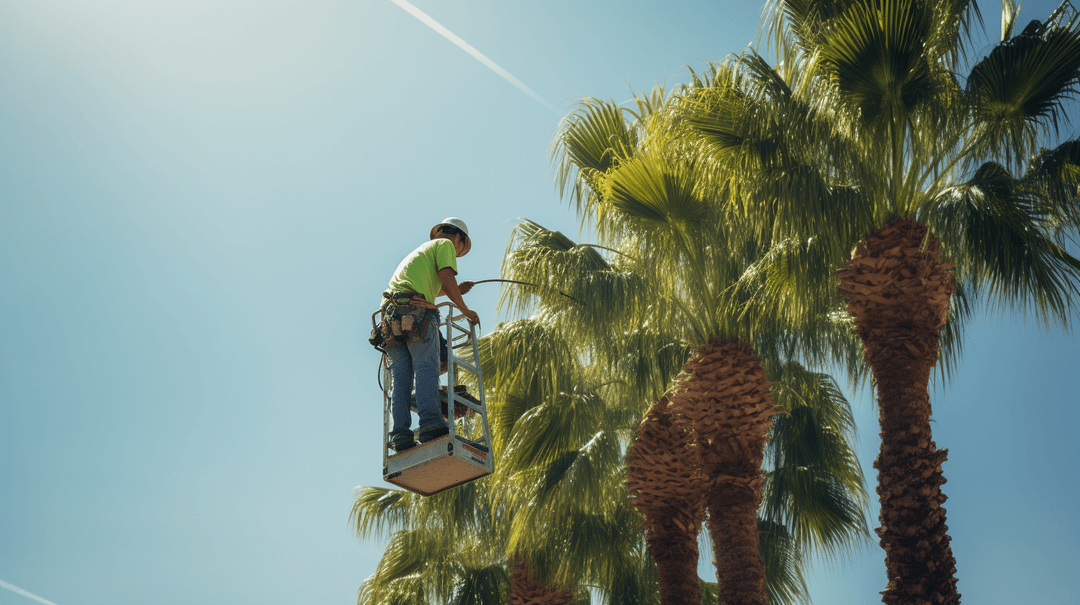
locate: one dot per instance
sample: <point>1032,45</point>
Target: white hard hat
<point>453,221</point>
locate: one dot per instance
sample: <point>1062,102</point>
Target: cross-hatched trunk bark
<point>665,479</point>
<point>526,589</point>
<point>898,295</point>
<point>725,393</point>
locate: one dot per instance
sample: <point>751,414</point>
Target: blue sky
<point>199,205</point>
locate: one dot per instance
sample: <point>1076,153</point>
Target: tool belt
<point>404,319</point>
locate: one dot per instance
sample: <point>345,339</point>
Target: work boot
<point>403,441</point>
<point>431,433</point>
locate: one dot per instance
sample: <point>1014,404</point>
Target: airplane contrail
<point>412,10</point>
<point>29,595</point>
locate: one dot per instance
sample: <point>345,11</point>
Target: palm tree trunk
<point>898,293</point>
<point>726,394</point>
<point>526,589</point>
<point>740,570</point>
<point>664,477</point>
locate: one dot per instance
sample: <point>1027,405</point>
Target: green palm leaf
<point>1017,91</point>
<point>377,511</point>
<point>784,559</point>
<point>811,464</point>
<point>590,141</point>
<point>653,189</point>
<point>873,52</point>
<point>482,586</point>
<point>1054,179</point>
<point>994,226</point>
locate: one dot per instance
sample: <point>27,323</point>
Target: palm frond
<point>588,296</point>
<point>574,473</point>
<point>635,584</point>
<point>790,302</point>
<point>611,543</point>
<point>992,226</point>
<point>768,142</point>
<point>401,567</point>
<point>406,590</point>
<point>482,586</point>
<point>1054,178</point>
<point>792,284</point>
<point>543,433</point>
<point>1016,93</point>
<point>654,189</point>
<point>523,357</point>
<point>954,33</point>
<point>589,142</point>
<point>814,483</point>
<point>378,511</point>
<point>952,345</point>
<point>803,20</point>
<point>1010,10</point>
<point>873,53</point>
<point>784,559</point>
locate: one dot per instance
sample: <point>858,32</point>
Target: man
<point>411,319</point>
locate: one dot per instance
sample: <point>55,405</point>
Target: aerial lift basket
<point>453,459</point>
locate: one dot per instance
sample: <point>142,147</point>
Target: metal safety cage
<point>453,459</point>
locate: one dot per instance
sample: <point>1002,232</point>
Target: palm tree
<point>636,184</point>
<point>615,308</point>
<point>909,191</point>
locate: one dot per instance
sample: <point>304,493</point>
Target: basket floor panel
<point>430,468</point>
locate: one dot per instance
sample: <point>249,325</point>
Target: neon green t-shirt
<point>419,272</point>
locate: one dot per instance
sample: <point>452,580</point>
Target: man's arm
<point>450,289</point>
<point>463,288</point>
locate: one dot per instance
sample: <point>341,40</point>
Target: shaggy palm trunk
<point>898,293</point>
<point>665,479</point>
<point>725,393</point>
<point>526,589</point>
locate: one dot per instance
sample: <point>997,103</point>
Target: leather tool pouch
<point>401,321</point>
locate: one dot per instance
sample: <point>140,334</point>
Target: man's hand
<point>471,315</point>
<point>465,286</point>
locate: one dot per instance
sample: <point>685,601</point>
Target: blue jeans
<point>422,361</point>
